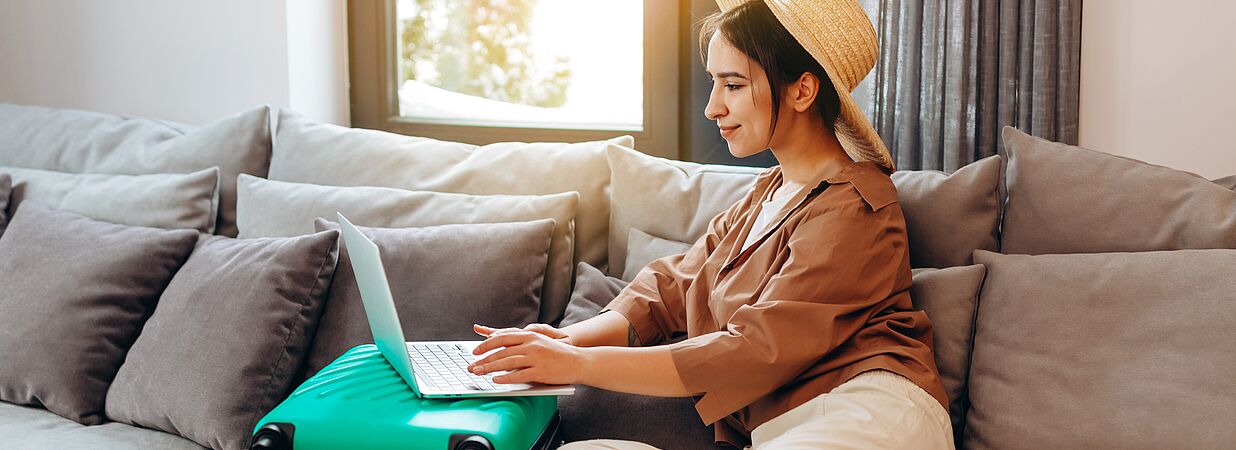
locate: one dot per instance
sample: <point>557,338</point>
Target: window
<point>530,70</point>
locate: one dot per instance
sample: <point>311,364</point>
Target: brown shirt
<point>823,296</point>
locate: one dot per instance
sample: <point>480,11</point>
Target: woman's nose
<point>715,108</point>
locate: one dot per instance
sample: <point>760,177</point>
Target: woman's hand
<point>530,357</point>
<point>544,329</point>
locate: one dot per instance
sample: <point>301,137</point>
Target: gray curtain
<point>952,73</point>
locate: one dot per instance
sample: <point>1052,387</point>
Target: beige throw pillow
<point>269,208</point>
<point>644,248</point>
<point>671,199</point>
<point>310,152</point>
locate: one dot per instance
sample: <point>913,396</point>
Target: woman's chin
<point>742,152</point>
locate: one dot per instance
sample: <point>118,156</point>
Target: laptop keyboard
<point>445,367</point>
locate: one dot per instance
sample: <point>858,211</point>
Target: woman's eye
<point>733,87</point>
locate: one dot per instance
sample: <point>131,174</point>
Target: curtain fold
<point>952,73</point>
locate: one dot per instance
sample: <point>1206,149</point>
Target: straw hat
<point>839,35</point>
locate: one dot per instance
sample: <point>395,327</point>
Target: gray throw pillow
<point>156,200</point>
<point>950,298</point>
<point>444,279</point>
<point>75,294</point>
<point>277,208</point>
<point>305,149</point>
<point>6,185</point>
<point>70,140</point>
<point>1067,199</point>
<point>644,248</point>
<point>949,216</point>
<point>230,332</point>
<point>593,292</point>
<point>1109,350</point>
<point>664,422</point>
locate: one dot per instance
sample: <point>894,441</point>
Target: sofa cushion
<point>275,208</point>
<point>6,185</point>
<point>664,422</point>
<point>70,140</point>
<point>643,248</point>
<point>156,200</point>
<point>674,200</point>
<point>950,297</point>
<point>34,428</point>
<point>229,334</point>
<point>443,280</point>
<point>949,216</point>
<point>1115,350</point>
<point>1067,199</point>
<point>75,294</point>
<point>311,152</point>
<point>593,291</point>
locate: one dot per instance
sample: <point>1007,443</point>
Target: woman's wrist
<point>586,363</point>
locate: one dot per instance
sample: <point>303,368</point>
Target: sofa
<point>164,285</point>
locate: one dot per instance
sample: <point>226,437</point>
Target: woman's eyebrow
<point>730,75</point>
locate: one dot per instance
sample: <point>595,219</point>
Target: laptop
<point>433,369</point>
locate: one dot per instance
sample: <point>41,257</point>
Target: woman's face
<point>739,102</point>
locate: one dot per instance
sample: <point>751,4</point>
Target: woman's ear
<point>802,92</point>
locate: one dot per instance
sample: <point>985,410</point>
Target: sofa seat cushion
<point>27,427</point>
<point>69,140</point>
<point>1067,199</point>
<point>1110,350</point>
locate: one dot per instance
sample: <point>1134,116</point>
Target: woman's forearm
<point>636,370</point>
<point>608,329</point>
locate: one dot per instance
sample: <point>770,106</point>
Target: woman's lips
<point>726,132</point>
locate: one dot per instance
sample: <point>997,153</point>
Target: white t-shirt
<point>770,209</point>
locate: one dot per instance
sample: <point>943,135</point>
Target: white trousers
<point>876,409</point>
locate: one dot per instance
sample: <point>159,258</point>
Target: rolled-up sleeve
<point>654,302</point>
<point>843,263</point>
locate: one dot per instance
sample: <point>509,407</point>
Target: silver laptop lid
<point>379,303</point>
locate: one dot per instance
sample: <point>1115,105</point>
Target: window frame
<point>373,64</point>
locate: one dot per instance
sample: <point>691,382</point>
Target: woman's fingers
<point>517,376</point>
<point>507,364</point>
<point>503,340</point>
<point>495,356</point>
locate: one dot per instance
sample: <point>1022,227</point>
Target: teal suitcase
<point>360,402</point>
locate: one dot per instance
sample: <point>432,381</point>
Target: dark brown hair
<point>755,31</point>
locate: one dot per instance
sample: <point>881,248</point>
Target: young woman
<point>796,304</point>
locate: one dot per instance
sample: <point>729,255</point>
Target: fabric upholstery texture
<point>1227,182</point>
<point>949,216</point>
<point>310,152</point>
<point>76,292</point>
<point>23,427</point>
<point>664,422</point>
<point>643,248</point>
<point>155,200</point>
<point>1067,199</point>
<point>69,140</point>
<point>674,200</point>
<point>443,280</point>
<point>1114,350</point>
<point>950,297</point>
<point>275,208</point>
<point>228,336</point>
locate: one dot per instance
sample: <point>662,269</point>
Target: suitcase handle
<point>273,436</point>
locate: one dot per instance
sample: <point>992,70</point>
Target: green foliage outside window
<point>481,48</point>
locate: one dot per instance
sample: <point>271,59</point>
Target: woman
<point>796,305</point>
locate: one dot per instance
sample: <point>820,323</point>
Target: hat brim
<point>854,130</point>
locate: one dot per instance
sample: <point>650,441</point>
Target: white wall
<point>181,60</point>
<point>1158,82</point>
